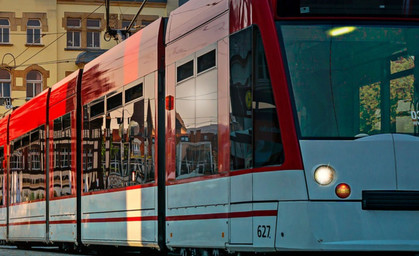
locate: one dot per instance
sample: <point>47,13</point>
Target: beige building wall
<point>51,57</point>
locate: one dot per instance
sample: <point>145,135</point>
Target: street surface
<point>36,251</point>
<point>54,251</point>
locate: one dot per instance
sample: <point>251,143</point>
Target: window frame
<point>3,32</point>
<point>33,84</point>
<point>34,29</point>
<point>5,82</point>
<point>72,30</point>
<point>91,33</point>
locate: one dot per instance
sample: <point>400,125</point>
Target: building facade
<point>42,41</point>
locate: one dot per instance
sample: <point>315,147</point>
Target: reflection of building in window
<point>62,156</point>
<point>118,145</point>
<point>254,127</point>
<point>196,116</point>
<point>27,175</point>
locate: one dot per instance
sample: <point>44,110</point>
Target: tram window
<point>25,140</point>
<point>139,141</point>
<point>114,101</point>
<point>94,150</point>
<point>206,61</point>
<point>97,109</point>
<point>185,71</point>
<point>62,174</point>
<point>197,122</point>
<point>255,134</point>
<point>35,135</point>
<point>2,180</point>
<point>133,93</point>
<point>26,168</point>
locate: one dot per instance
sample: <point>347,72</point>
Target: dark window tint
<point>134,93</point>
<point>97,109</point>
<point>184,71</point>
<point>2,179</point>
<point>35,136</point>
<point>25,141</point>
<point>114,101</point>
<point>255,135</point>
<point>206,61</point>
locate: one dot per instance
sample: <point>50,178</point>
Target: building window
<point>4,31</point>
<point>5,81</point>
<point>33,32</point>
<point>93,33</point>
<point>73,33</point>
<point>33,84</point>
<point>125,24</point>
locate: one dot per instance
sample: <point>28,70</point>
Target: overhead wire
<point>45,47</point>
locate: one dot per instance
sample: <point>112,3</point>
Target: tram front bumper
<point>344,226</point>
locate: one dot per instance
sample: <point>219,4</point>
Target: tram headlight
<point>324,175</point>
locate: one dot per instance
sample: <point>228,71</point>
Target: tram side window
<point>254,128</point>
<point>27,177</point>
<point>2,180</point>
<point>118,145</point>
<point>139,140</point>
<point>62,175</point>
<point>197,118</point>
<point>93,146</point>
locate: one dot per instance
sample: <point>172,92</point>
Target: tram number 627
<point>264,231</point>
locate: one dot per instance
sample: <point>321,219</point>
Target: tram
<point>232,126</point>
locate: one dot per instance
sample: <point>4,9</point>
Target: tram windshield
<point>351,81</point>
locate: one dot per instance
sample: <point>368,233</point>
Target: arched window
<point>33,32</point>
<point>33,84</point>
<point>4,31</point>
<point>5,81</point>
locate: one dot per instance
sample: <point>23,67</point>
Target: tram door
<point>241,125</point>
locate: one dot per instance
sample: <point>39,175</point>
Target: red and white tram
<point>233,125</point>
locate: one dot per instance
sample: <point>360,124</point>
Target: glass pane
<point>97,109</point>
<point>38,88</point>
<point>73,22</point>
<point>6,90</point>
<point>206,61</point>
<point>114,101</point>
<point>96,39</point>
<point>4,75</point>
<point>185,71</point>
<point>76,36</point>
<point>29,36</point>
<point>94,149</point>
<point>134,93</point>
<point>62,175</point>
<point>6,35</point>
<point>268,149</point>
<point>4,22</point>
<point>93,23</point>
<point>37,36</point>
<point>35,23</point>
<point>351,81</point>
<point>89,39</point>
<point>29,90</point>
<point>241,96</point>
<point>34,75</point>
